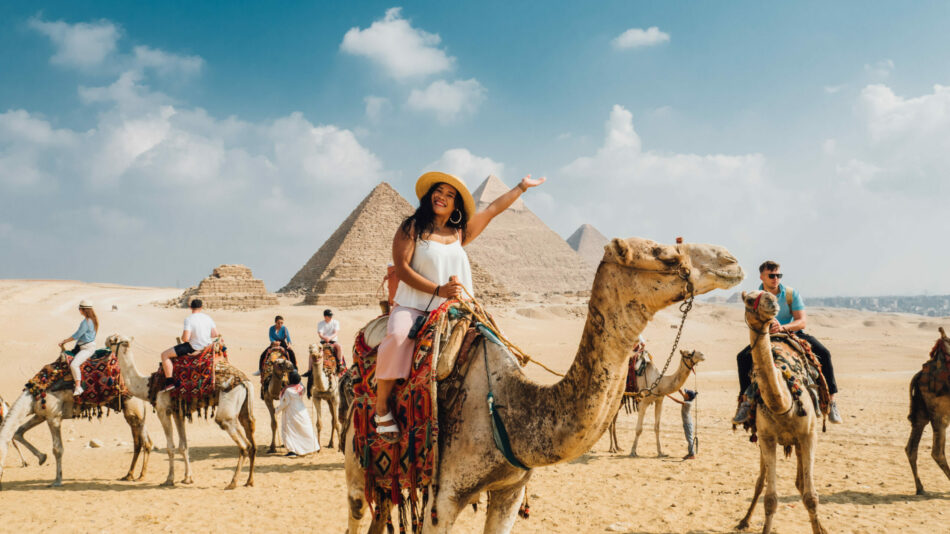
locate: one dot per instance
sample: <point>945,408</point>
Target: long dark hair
<point>423,220</point>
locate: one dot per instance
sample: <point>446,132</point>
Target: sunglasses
<point>773,276</point>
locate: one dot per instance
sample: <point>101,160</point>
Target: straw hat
<point>85,304</point>
<point>427,180</point>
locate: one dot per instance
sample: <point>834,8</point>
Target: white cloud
<point>460,162</point>
<point>879,69</point>
<point>401,50</point>
<point>833,89</point>
<point>376,106</point>
<point>166,63</point>
<point>829,146</point>
<point>448,101</point>
<point>80,45</point>
<point>639,38</point>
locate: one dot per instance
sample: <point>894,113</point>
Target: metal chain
<point>685,307</point>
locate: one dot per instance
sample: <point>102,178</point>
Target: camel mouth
<point>731,275</point>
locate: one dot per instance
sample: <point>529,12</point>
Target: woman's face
<point>443,200</point>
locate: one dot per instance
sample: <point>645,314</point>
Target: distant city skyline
<point>147,144</point>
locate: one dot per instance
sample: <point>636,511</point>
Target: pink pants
<point>394,357</point>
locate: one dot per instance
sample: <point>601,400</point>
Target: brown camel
<point>667,385</point>
<point>781,420</point>
<point>326,387</point>
<point>928,407</point>
<point>273,381</point>
<point>58,406</point>
<point>551,424</point>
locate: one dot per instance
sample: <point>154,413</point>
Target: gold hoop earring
<point>459,218</point>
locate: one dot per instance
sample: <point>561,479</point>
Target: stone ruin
<point>230,287</point>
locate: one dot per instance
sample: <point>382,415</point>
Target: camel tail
<point>917,405</point>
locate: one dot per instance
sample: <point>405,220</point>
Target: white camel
<point>234,413</point>
<point>326,387</point>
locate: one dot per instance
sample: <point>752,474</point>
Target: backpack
<point>789,297</point>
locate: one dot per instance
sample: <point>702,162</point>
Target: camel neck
<point>775,395</point>
<point>134,380</point>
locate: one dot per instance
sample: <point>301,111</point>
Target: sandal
<point>387,432</point>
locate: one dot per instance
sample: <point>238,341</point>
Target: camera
<point>416,326</point>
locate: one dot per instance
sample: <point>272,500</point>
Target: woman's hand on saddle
<point>528,182</point>
<point>451,290</point>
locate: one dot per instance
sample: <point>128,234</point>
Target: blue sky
<point>188,135</point>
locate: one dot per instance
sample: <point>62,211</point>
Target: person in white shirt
<point>199,331</point>
<point>329,329</point>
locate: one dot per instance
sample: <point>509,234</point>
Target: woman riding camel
<point>432,266</point>
<point>85,338</point>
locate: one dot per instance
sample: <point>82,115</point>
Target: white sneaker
<point>78,391</point>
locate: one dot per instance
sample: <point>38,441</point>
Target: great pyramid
<point>519,250</point>
<point>589,243</point>
<point>348,269</point>
<point>229,287</point>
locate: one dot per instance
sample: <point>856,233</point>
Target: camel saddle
<point>935,374</point>
<point>423,404</point>
<point>102,382</point>
<point>195,377</point>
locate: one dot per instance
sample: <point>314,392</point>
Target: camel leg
<point>800,471</point>
<point>334,424</point>
<point>759,482</point>
<point>136,448</point>
<point>809,493</point>
<point>657,413</point>
<point>273,426</point>
<point>318,415</point>
<point>55,428</point>
<point>916,431</point>
<point>246,419</point>
<point>183,447</point>
<point>166,419</point>
<point>21,437</point>
<point>641,413</point>
<point>230,426</point>
<point>503,507</point>
<point>448,508</point>
<point>939,427</point>
<point>355,482</point>
<point>377,526</point>
<point>20,454</point>
<point>612,434</point>
<point>771,497</point>
<point>146,442</point>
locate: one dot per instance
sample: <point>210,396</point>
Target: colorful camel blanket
<point>935,374</point>
<point>194,376</point>
<point>267,370</point>
<point>408,467</point>
<point>801,371</point>
<point>102,383</point>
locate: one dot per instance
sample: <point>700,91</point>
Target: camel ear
<point>618,251</point>
<point>745,296</point>
<point>684,352</point>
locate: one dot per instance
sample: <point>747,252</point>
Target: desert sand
<point>861,472</point>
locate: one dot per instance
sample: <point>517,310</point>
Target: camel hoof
<point>127,478</point>
<point>249,484</point>
<point>168,484</point>
<point>188,480</point>
<point>920,491</point>
<point>42,458</point>
<point>56,484</point>
<point>272,450</point>
<point>633,454</point>
<point>661,455</point>
<point>140,477</point>
<point>742,525</point>
<point>230,486</point>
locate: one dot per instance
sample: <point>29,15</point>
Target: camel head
<point>945,339</point>
<point>760,308</point>
<point>692,357</point>
<point>115,341</point>
<point>668,267</point>
<point>282,366</point>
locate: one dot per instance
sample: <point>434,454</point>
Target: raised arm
<point>478,221</point>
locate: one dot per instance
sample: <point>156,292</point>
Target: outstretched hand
<point>528,182</point>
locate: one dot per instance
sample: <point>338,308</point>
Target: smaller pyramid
<point>229,287</point>
<point>589,243</point>
<point>491,189</point>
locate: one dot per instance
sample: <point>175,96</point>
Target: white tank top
<point>436,262</point>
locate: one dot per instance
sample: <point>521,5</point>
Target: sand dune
<point>861,472</point>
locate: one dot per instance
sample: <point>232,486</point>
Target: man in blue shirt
<point>279,335</point>
<point>789,319</point>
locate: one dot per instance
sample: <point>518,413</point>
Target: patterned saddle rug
<point>102,383</point>
<point>331,364</point>
<point>409,466</point>
<point>935,374</point>
<point>273,355</point>
<point>635,369</point>
<point>801,371</point>
<point>194,376</point>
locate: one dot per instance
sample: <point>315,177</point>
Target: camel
<point>926,407</point>
<point>59,406</point>
<point>557,423</point>
<point>233,412</point>
<point>781,420</point>
<point>667,385</point>
<point>280,368</point>
<point>326,387</point>
<point>4,410</point>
